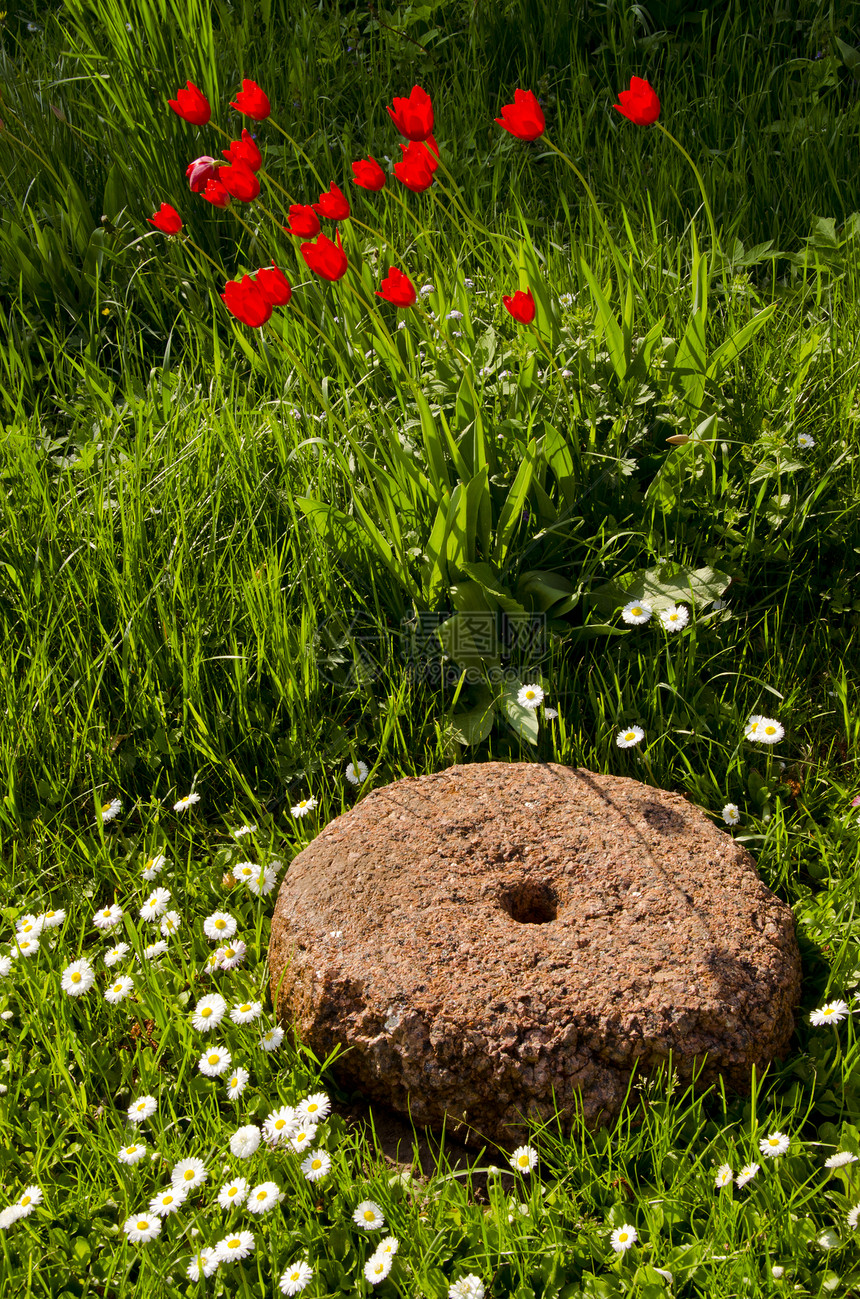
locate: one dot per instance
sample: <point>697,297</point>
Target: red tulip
<point>413,117</point>
<point>305,223</point>
<point>414,173</point>
<point>274,286</point>
<point>240,181</point>
<point>247,302</point>
<point>333,205</point>
<point>397,288</point>
<point>244,150</point>
<point>166,219</point>
<point>524,117</point>
<point>252,101</point>
<point>326,259</point>
<point>199,171</point>
<point>215,193</point>
<point>368,174</point>
<point>639,103</point>
<point>521,306</point>
<point>191,105</point>
<point>425,153</point>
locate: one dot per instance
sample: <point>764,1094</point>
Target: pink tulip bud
<point>200,171</point>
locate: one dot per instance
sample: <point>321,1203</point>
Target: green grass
<point>216,543</point>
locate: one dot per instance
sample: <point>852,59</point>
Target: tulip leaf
<point>523,720</point>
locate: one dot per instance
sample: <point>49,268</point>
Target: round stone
<point>493,936</point>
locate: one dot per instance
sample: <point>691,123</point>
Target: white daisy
<point>30,926</point>
<point>9,1216</point>
<point>233,1194</point>
<point>468,1287</point>
<point>28,1200</point>
<point>239,1245</point>
<point>303,1137</point>
<point>219,926</point>
<point>115,954</point>
<point>389,1245</point>
<point>184,803</point>
<point>840,1159</point>
<point>214,1061</point>
<point>805,442</point>
<point>675,617</point>
<point>746,1174</point>
<point>78,978</point>
<point>52,919</point>
<point>295,1278</point>
<point>262,881</point>
<point>832,1013</point>
<point>550,713</point>
<point>524,1159</point>
<point>131,1154</point>
<point>376,1268</point>
<point>153,950</point>
<point>142,1109</point>
<point>142,1227</point>
<point>108,917</point>
<point>118,991</point>
<point>153,866</point>
<point>852,1216</point>
<point>304,806</point>
<point>245,1142</point>
<point>167,1201</point>
<point>170,923</point>
<point>356,772</point>
<point>245,1012</point>
<point>636,612</point>
<point>280,1125</point>
<point>109,810</point>
<point>314,1108</point>
<point>208,1012</point>
<point>731,814</point>
<point>203,1264</point>
<point>272,1038</point>
<point>775,1144</point>
<point>189,1174</point>
<point>5,966</point>
<point>629,736</point>
<point>21,946</point>
<point>724,1176</point>
<point>263,1197</point>
<point>623,1238</point>
<point>237,1082</point>
<point>530,696</point>
<point>369,1216</point>
<point>155,905</point>
<point>244,871</point>
<point>316,1165</point>
<point>765,730</point>
<point>243,830</point>
<point>232,954</point>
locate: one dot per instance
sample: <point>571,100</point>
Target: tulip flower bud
<point>521,306</point>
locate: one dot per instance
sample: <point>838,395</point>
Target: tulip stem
<point>614,247</point>
<point>187,241</point>
<point>8,136</point>
<point>714,240</point>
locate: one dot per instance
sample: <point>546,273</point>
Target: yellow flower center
<point>130,1150</point>
<point>280,1123</point>
<point>220,924</point>
<point>245,1008</point>
<point>213,1059</point>
<point>369,1215</point>
<point>317,1163</point>
<point>233,1190</point>
<point>206,1011</point>
<point>105,807</point>
<point>142,1225</point>
<point>261,1195</point>
<point>76,978</point>
<point>189,1174</point>
<point>25,1199</point>
<point>234,1244</point>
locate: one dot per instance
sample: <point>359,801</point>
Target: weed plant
<point>234,561</point>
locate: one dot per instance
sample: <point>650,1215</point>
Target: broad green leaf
<point>732,347</point>
<point>486,578</point>
<point>510,516</point>
<point>472,641</point>
<point>680,585</point>
<point>473,726</point>
<point>523,720</point>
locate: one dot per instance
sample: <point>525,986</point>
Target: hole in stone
<point>529,902</point>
